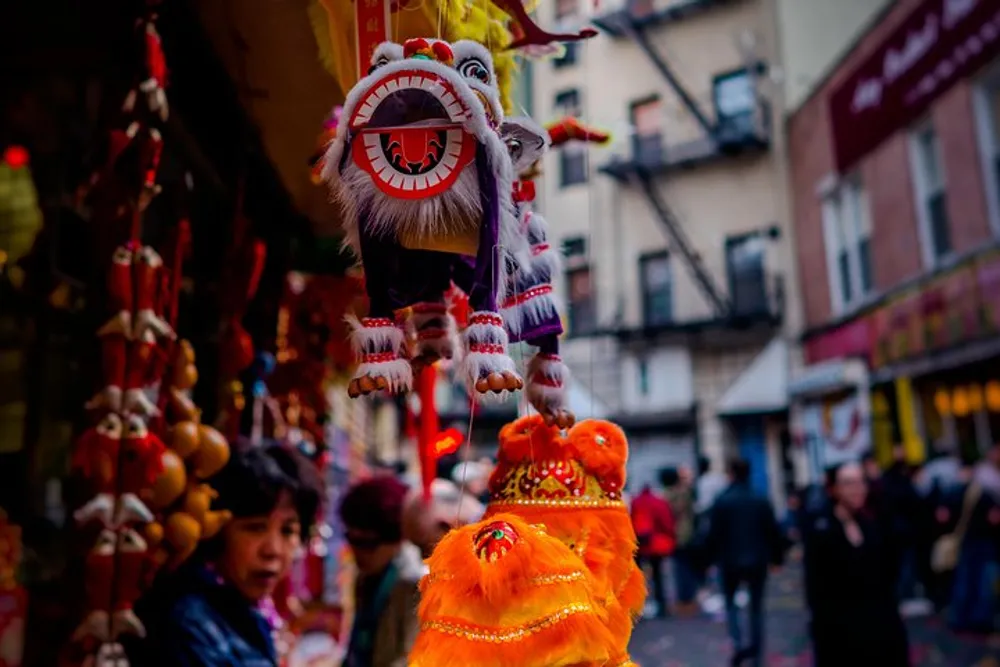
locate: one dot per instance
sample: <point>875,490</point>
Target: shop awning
<point>762,388</point>
<point>827,377</point>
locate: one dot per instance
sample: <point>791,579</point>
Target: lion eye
<point>474,69</point>
<point>381,62</point>
<point>515,148</point>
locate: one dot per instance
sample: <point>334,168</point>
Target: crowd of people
<point>876,545</point>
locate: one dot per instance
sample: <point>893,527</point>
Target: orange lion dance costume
<point>573,485</point>
<point>502,592</point>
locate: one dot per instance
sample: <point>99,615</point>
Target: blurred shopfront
<point>897,212</point>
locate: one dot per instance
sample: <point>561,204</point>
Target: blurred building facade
<point>679,278</point>
<point>894,177</point>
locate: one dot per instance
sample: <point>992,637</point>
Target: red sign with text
<point>988,279</point>
<point>935,46</point>
<point>848,340</point>
<point>371,18</point>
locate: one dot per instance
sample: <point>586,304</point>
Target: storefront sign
<point>951,309</point>
<point>941,314</point>
<point>852,339</point>
<point>897,331</point>
<point>988,279</point>
<point>938,44</point>
<point>835,431</point>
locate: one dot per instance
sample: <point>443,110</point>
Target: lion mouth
<point>410,134</point>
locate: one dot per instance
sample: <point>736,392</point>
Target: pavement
<point>701,640</point>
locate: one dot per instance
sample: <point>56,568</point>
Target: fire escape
<point>723,137</point>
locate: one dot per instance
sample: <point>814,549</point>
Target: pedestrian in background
<point>655,530</point>
<point>850,581</point>
<point>427,520</point>
<point>902,515</point>
<point>216,610</point>
<point>744,540</point>
<point>385,594</point>
<point>679,488</point>
<point>974,596</point>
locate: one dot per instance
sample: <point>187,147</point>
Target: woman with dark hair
<point>850,582</point>
<point>385,593</point>
<point>215,610</point>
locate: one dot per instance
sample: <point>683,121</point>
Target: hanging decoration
<point>13,596</point>
<point>573,486</point>
<point>570,129</point>
<point>505,26</point>
<point>530,311</point>
<point>529,34</point>
<point>244,267</point>
<point>425,183</point>
<point>143,489</point>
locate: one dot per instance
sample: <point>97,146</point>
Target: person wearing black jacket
<point>850,584</point>
<point>902,508</point>
<point>744,539</point>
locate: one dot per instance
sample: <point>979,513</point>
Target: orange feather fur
<point>531,604</point>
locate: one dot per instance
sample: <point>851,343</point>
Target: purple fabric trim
<point>483,293</point>
<point>531,331</point>
<point>547,343</point>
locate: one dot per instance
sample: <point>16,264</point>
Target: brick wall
<point>896,250</point>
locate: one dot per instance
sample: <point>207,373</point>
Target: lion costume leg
<point>379,344</point>
<point>487,366</point>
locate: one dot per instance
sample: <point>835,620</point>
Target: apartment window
<point>747,276</point>
<point>643,377</point>
<point>582,309</point>
<point>574,248</point>
<point>657,289</point>
<point>735,98</point>
<point>847,231</point>
<point>572,156</point>
<point>988,120</point>
<point>567,16</point>
<point>647,124</point>
<point>568,56</point>
<point>932,200</point>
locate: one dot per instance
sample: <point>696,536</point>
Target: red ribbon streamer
<point>429,426</point>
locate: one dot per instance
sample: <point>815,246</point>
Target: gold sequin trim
<point>549,579</point>
<point>543,580</point>
<point>507,635</point>
<point>560,502</point>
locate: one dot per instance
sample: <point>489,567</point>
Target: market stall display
<point>147,456</point>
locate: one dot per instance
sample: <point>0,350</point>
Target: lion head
<point>418,151</point>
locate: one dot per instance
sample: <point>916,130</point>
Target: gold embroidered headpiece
<point>538,466</point>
